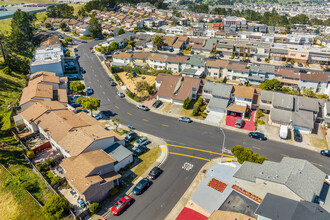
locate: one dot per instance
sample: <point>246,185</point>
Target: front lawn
<point>147,159</point>
<point>85,38</point>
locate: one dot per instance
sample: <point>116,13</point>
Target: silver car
<point>120,94</point>
<point>140,142</point>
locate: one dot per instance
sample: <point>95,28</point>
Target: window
<point>303,55</point>
<point>293,54</point>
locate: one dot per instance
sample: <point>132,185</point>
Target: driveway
<point>214,117</point>
<point>248,124</point>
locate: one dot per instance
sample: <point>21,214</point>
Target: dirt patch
<point>131,82</point>
<point>167,108</point>
<point>318,143</point>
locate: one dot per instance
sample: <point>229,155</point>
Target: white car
<point>142,107</point>
<point>120,94</point>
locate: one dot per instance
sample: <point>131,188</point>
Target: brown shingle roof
<point>244,92</point>
<point>238,67</point>
<point>188,83</point>
<point>142,55</point>
<point>177,59</point>
<point>289,73</point>
<point>169,40</point>
<point>36,90</point>
<point>44,77</point>
<point>78,169</point>
<point>122,55</point>
<point>168,84</point>
<point>39,108</point>
<point>197,40</point>
<point>159,57</point>
<point>217,63</point>
<point>315,76</point>
<point>237,108</point>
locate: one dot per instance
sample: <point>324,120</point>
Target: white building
<point>48,58</point>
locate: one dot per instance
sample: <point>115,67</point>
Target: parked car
<point>289,66</point>
<point>91,48</point>
<point>75,105</point>
<point>185,119</point>
<point>303,71</point>
<point>257,135</point>
<point>98,116</point>
<point>180,54</point>
<point>82,70</point>
<point>154,51</point>
<point>326,70</point>
<point>154,173</point>
<point>212,57</point>
<point>246,61</point>
<point>141,141</point>
<point>259,59</point>
<point>236,56</point>
<point>110,79</point>
<point>117,52</point>
<point>284,132</point>
<point>130,137</point>
<point>157,103</point>
<point>325,153</point>
<point>141,186</point>
<point>142,107</point>
<point>140,150</point>
<point>120,205</point>
<point>113,83</point>
<point>239,123</point>
<point>77,55</point>
<point>75,50</point>
<point>297,135</point>
<point>83,41</point>
<point>300,65</point>
<point>82,110</point>
<point>120,94</point>
<point>73,76</point>
<point>90,91</point>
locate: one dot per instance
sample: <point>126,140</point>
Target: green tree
<point>95,27</point>
<point>116,122</point>
<point>142,86</point>
<point>77,86</point>
<point>105,5</point>
<point>299,19</point>
<point>60,11</point>
<point>68,39</point>
<point>113,46</point>
<point>89,103</point>
<point>6,70</point>
<point>186,103</point>
<point>273,85</point>
<point>65,43</point>
<point>82,12</point>
<point>308,92</point>
<point>158,42</point>
<point>30,154</point>
<point>94,207</point>
<point>246,154</point>
<point>21,31</point>
<point>48,25</point>
<point>63,26</point>
<point>55,208</point>
<point>68,53</point>
<point>131,43</point>
<point>121,31</point>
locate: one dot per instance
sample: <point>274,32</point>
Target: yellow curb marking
<point>117,107</point>
<point>164,125</point>
<point>185,155</point>
<point>129,113</point>
<point>190,148</point>
<point>145,120</point>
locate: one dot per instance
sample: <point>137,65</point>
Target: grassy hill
<point>7,2</point>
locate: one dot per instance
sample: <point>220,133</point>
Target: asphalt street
<point>192,143</point>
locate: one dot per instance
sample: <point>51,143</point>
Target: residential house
<point>121,59</point>
<point>288,77</point>
<point>196,62</point>
<point>316,81</point>
<point>278,207</point>
<point>158,61</point>
<point>226,47</point>
<point>292,178</point>
<point>50,57</point>
<point>266,100</point>
<point>278,52</point>
<point>176,89</point>
<point>327,113</point>
<point>260,73</point>
<point>176,63</point>
<point>91,175</point>
<point>237,72</point>
<point>298,56</point>
<point>68,133</point>
<point>141,59</point>
<point>216,68</point>
<point>44,86</point>
<point>121,154</point>
<point>283,106</point>
<point>245,96</point>
<point>319,55</point>
<point>169,42</point>
<point>83,29</point>
<point>210,45</point>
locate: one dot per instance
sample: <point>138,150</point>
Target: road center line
<point>109,100</point>
<point>98,80</point>
<point>317,164</point>
<point>145,120</point>
<point>185,155</point>
<point>164,125</point>
<point>103,92</point>
<point>129,113</point>
<point>93,71</point>
<point>257,148</point>
<point>116,106</point>
<point>100,86</point>
<point>95,75</point>
<point>284,155</point>
<point>206,151</point>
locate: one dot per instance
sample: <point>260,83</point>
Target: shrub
<point>6,70</point>
<point>202,108</point>
<point>186,103</point>
<point>246,154</point>
<point>30,154</point>
<point>55,179</point>
<point>68,53</point>
<point>259,114</point>
<point>55,208</point>
<point>113,191</point>
<point>94,207</point>
<point>261,122</point>
<point>195,110</point>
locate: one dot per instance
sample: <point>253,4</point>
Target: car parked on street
<point>289,66</point>
<point>303,71</point>
<point>82,110</point>
<point>185,119</point>
<point>120,94</point>
<point>300,65</point>
<point>257,135</point>
<point>140,150</point>
<point>157,103</point>
<point>141,141</point>
<point>84,42</point>
<point>98,116</point>
<point>297,136</point>
<point>325,153</point>
<point>82,70</point>
<point>142,107</point>
<point>154,173</point>
<point>90,91</point>
<point>113,83</point>
<point>141,186</point>
<point>120,205</point>
<point>130,137</point>
<point>75,50</point>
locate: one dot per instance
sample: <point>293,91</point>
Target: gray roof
<point>327,104</point>
<point>264,107</point>
<point>217,103</point>
<point>280,115</point>
<point>300,176</point>
<point>118,152</point>
<point>309,104</point>
<point>282,100</point>
<point>218,89</point>
<point>262,68</point>
<point>281,208</point>
<point>303,118</point>
<point>209,44</point>
<point>196,60</point>
<point>255,77</point>
<point>189,71</point>
<point>266,96</point>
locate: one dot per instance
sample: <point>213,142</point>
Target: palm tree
<point>158,42</point>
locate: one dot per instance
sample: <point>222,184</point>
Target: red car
<point>120,205</point>
<point>91,48</point>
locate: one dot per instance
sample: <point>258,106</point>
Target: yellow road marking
<point>116,106</point>
<point>91,67</point>
<point>98,80</point>
<point>93,71</point>
<point>163,148</point>
<point>129,113</point>
<point>257,148</point>
<point>284,155</point>
<point>109,100</point>
<point>145,120</point>
<point>100,86</point>
<point>317,164</point>
<point>164,125</point>
<point>191,148</point>
<point>185,155</point>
